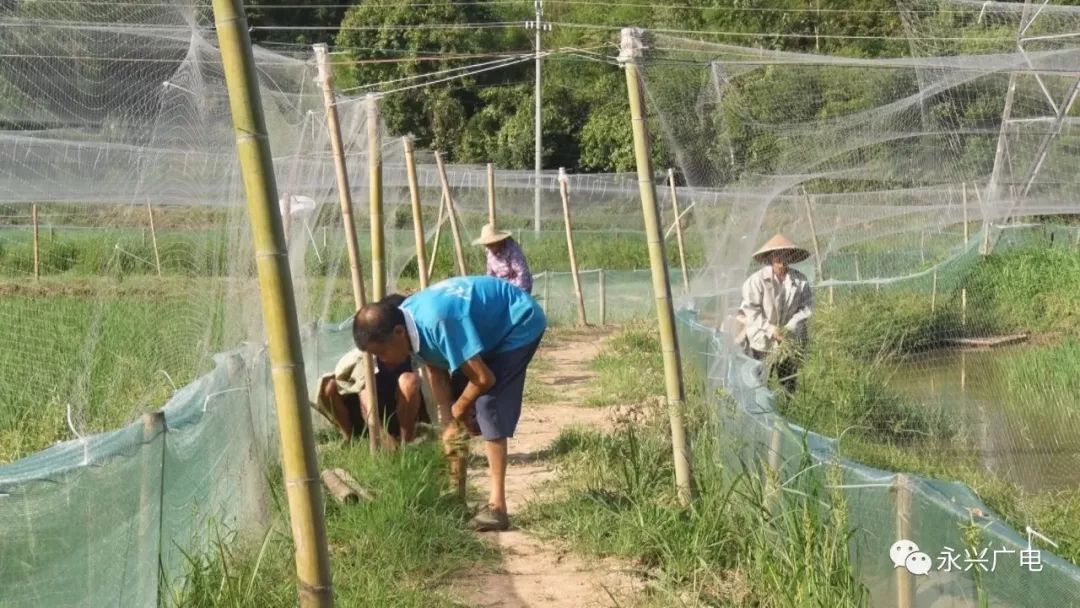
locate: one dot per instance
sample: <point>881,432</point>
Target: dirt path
<point>534,573</point>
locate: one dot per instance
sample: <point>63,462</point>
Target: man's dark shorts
<point>386,386</point>
<point>498,410</point>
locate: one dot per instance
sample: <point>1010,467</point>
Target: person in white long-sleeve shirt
<point>776,306</point>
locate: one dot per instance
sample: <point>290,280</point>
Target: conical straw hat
<point>489,235</point>
<point>780,243</point>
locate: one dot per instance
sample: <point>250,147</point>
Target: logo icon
<point>906,554</point>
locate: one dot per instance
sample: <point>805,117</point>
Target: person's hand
<point>778,334</point>
<point>459,411</point>
<point>451,434</point>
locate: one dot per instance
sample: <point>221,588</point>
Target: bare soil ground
<point>533,573</point>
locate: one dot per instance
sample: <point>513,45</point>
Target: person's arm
<point>440,389</point>
<point>804,303</point>
<point>521,269</point>
<point>481,379</point>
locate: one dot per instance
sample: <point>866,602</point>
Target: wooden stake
<point>963,307</point>
<point>375,199</point>
<point>772,471</point>
<point>341,171</point>
<point>297,442</point>
<point>922,247</point>
<point>603,300</point>
<point>933,294</point>
<point>438,235</point>
<point>547,280</point>
<point>491,194</point>
<point>963,371</point>
<point>630,53</point>
<point>451,214</point>
<point>37,251</point>
<point>417,213</point>
<point>153,238</point>
<point>817,249</point>
<point>963,201</point>
<point>678,231</point>
<point>905,581</point>
<point>564,191</point>
<point>858,276</point>
<point>150,489</point>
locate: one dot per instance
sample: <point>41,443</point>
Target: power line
<point>785,35</point>
<point>377,28</point>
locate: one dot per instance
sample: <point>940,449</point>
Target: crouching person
<point>341,398</point>
<point>476,336</point>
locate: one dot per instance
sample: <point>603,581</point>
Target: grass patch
<point>630,367</point>
<point>397,551</point>
<point>616,497</point>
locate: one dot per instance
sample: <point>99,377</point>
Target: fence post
<point>678,231</point>
<point>564,192</point>
<point>153,238</point>
<point>905,581</point>
<point>151,488</point>
<point>417,212</point>
<point>375,199</point>
<point>491,194</point>
<point>933,294</point>
<point>629,55</point>
<point>603,299</point>
<point>451,214</point>
<point>37,252</point>
<point>341,172</point>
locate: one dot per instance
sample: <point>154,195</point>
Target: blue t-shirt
<point>463,317</point>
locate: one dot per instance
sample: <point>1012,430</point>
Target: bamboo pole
<point>963,201</point>
<point>564,192</point>
<point>922,247</point>
<point>37,250</point>
<point>933,294</point>
<point>905,581</point>
<point>603,299</point>
<point>150,490</point>
<point>341,172</point>
<point>375,199</point>
<point>630,54</point>
<point>817,248</point>
<point>438,236</point>
<point>678,232</point>
<point>544,299</point>
<point>858,275</point>
<point>279,308</point>
<point>963,307</point>
<point>452,216</point>
<point>417,213</point>
<point>153,238</point>
<point>491,194</point>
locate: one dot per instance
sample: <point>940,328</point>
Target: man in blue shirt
<point>476,336</point>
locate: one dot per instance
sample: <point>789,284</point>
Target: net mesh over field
<point>898,175</point>
<point>127,274</point>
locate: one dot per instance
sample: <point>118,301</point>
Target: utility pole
<point>539,25</point>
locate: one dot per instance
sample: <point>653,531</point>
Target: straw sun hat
<point>489,235</point>
<point>781,243</point>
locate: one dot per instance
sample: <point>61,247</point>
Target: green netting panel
<point>79,523</point>
<point>938,516</point>
<point>625,295</point>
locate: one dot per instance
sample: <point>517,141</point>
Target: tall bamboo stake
<point>459,254</point>
<point>603,299</point>
<point>37,251</point>
<point>933,294</point>
<point>278,307</point>
<point>963,201</point>
<point>817,249</point>
<point>375,199</point>
<point>341,172</point>
<point>564,192</point>
<point>417,213</point>
<point>858,275</point>
<point>678,231</point>
<point>905,581</point>
<point>491,193</point>
<point>630,54</point>
<point>153,238</point>
<point>438,235</point>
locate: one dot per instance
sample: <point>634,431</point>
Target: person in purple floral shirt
<point>505,260</point>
